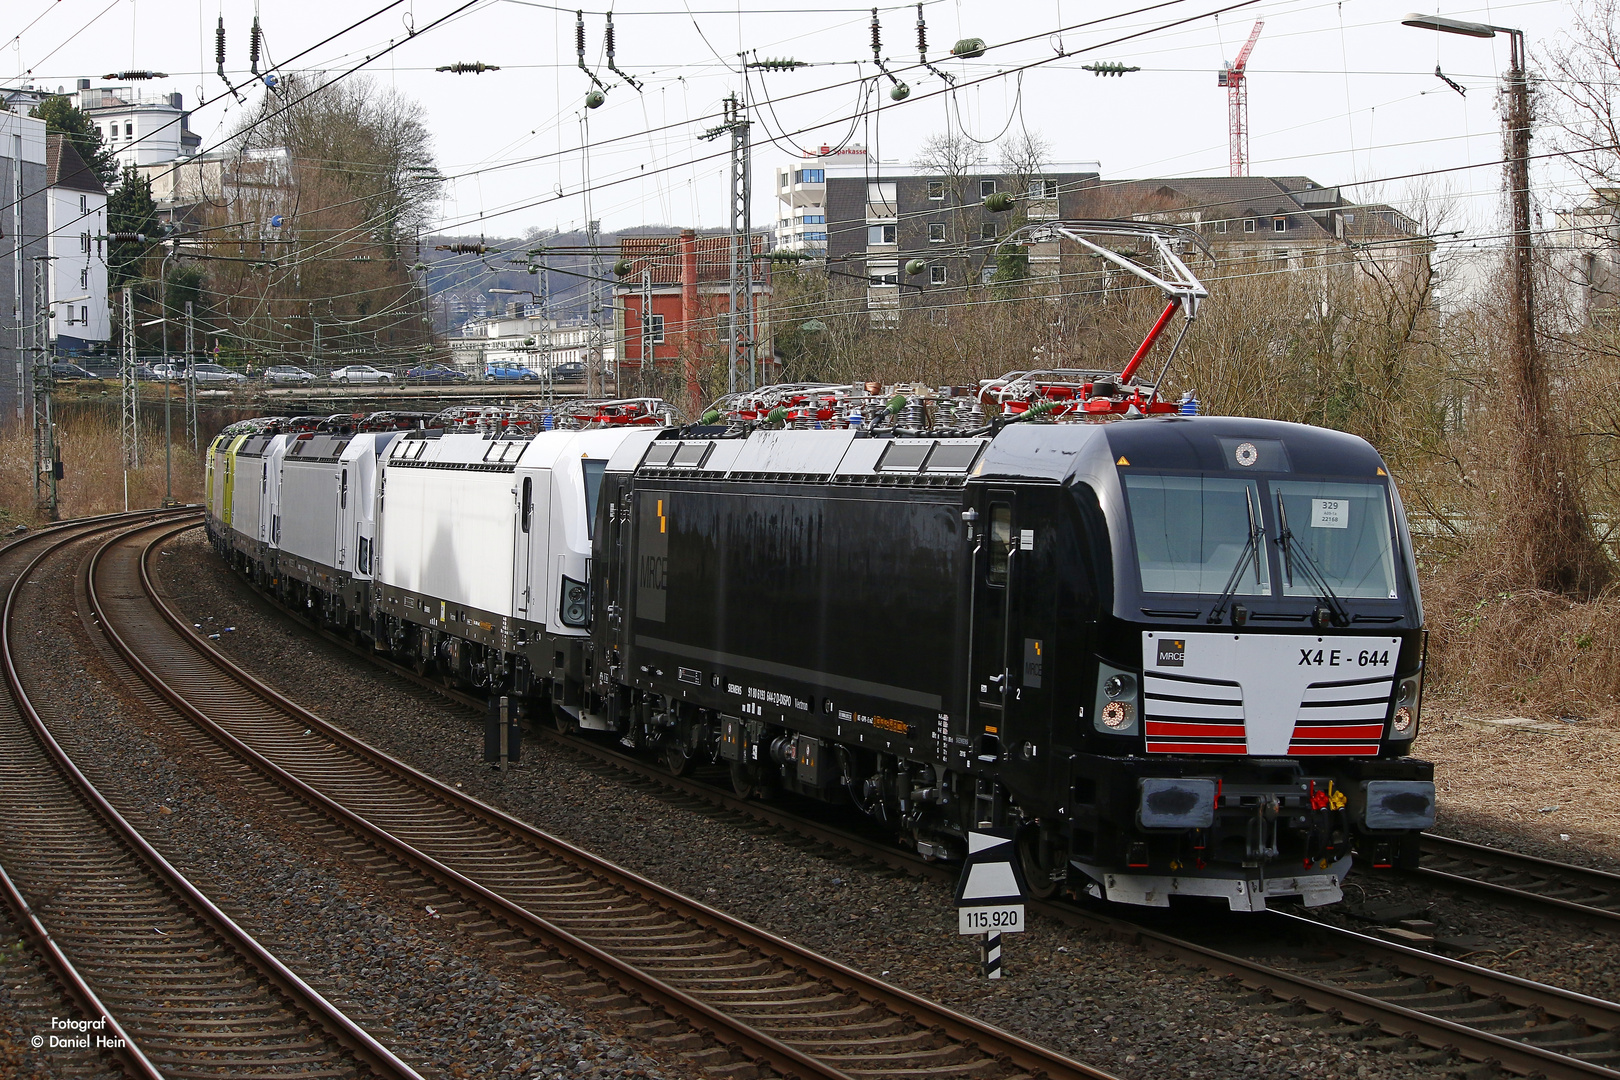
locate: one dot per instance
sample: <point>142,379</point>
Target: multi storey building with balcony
<point>879,225</point>
<point>801,191</point>
<point>142,127</point>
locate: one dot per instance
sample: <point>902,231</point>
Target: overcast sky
<point>1340,92</point>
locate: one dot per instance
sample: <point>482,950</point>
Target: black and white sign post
<point>990,894</point>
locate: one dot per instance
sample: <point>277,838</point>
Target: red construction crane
<point>1234,77</point>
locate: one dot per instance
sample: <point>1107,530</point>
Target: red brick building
<point>691,299</point>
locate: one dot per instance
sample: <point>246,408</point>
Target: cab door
<point>989,669</point>
<point>1014,608</point>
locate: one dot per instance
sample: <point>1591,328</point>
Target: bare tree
<point>1582,90</point>
<point>350,170</point>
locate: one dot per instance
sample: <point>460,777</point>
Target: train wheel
<point>679,760</point>
<point>1035,858</point>
<point>565,723</point>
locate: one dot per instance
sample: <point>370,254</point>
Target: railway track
<point>1295,962</point>
<point>1523,1027</point>
<point>759,998</point>
<point>1524,880</point>
<point>173,986</point>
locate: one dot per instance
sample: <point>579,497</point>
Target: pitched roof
<point>662,256</point>
<point>64,168</point>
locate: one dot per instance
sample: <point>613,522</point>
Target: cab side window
<point>1000,542</point>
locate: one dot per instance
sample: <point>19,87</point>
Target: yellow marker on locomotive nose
<point>1122,460</point>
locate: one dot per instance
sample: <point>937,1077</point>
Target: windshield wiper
<point>1251,548</point>
<point>1313,572</point>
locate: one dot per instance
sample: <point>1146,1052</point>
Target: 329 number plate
<point>1001,918</point>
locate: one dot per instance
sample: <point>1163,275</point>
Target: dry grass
<point>1497,651</point>
<point>91,451</point>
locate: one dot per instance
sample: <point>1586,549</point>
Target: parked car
<point>436,373</point>
<point>287,375</point>
<point>508,371</point>
<point>569,371</point>
<point>215,373</point>
<point>170,372</point>
<point>360,373</point>
<point>70,371</point>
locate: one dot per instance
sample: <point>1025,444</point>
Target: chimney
<point>690,344</point>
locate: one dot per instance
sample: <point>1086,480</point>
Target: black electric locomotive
<point>1183,653</point>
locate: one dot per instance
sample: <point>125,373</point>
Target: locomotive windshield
<point>1345,529</point>
<point>1192,533</point>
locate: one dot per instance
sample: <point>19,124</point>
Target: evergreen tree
<point>130,209</point>
<point>63,118</point>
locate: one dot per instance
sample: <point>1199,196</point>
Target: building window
<point>814,219</point>
<point>878,235</point>
<point>936,275</point>
<point>84,278</point>
<point>987,188</point>
<point>815,236</point>
<point>70,315</point>
<point>1220,226</point>
<point>84,242</point>
<point>810,176</point>
<point>880,200</point>
<point>987,231</point>
<point>655,331</point>
<point>84,204</point>
<point>1280,225</point>
<point>936,190</point>
<point>1280,256</point>
<point>129,131</point>
<point>1043,189</point>
<point>879,274</point>
<point>84,315</point>
<point>1248,224</point>
<point>936,232</point>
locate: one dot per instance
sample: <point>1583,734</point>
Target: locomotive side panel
<point>793,593</point>
<point>448,534</point>
<point>309,510</point>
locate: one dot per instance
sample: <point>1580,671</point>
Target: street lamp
<point>1552,525</point>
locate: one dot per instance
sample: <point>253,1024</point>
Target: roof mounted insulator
<point>255,38</point>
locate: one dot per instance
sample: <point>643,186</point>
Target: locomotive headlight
<point>1118,702</point>
<point>1119,686</point>
<point>575,607</point>
<point>1117,715</point>
<point>1408,700</point>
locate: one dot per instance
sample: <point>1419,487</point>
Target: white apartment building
<point>518,336</point>
<point>801,190</point>
<point>142,127</point>
<point>76,219</point>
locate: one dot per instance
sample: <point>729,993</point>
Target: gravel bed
<point>428,990</point>
<point>1102,1001</point>
<point>30,997</point>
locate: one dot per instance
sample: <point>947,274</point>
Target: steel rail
<point>761,1046</point>
<point>1543,873</point>
<point>67,973</point>
<point>368,1052</point>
